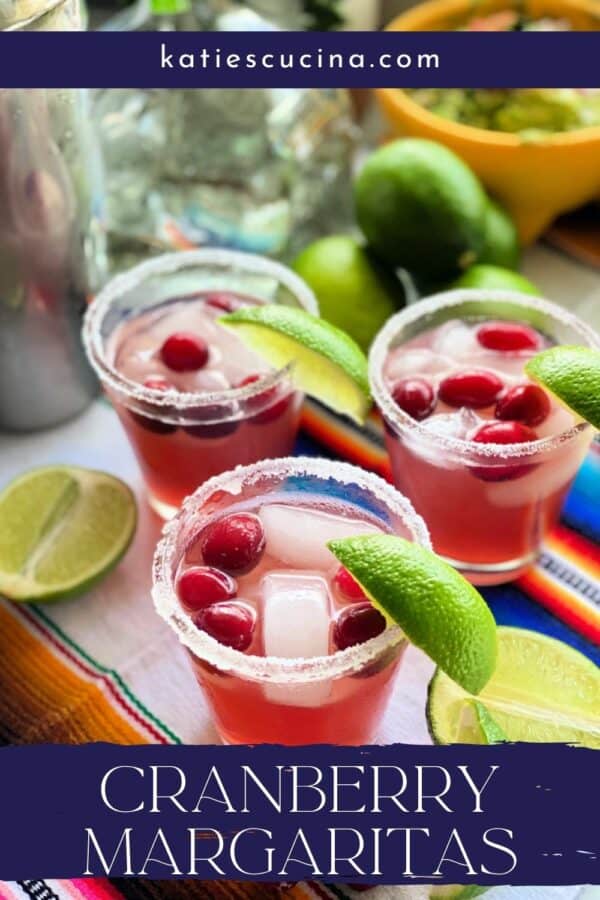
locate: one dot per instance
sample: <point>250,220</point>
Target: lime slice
<point>61,529</point>
<point>477,725</point>
<point>328,364</point>
<point>433,604</point>
<point>572,374</point>
<point>542,691</point>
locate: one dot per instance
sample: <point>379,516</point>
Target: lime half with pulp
<point>541,691</point>
<point>327,363</point>
<point>433,604</point>
<point>61,529</point>
<point>572,374</point>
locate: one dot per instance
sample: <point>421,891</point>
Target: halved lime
<point>61,529</point>
<point>433,604</point>
<point>328,364</point>
<point>572,374</point>
<point>477,725</point>
<point>541,691</point>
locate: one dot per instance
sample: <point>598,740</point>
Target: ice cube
<point>298,536</point>
<point>296,622</point>
<point>459,424</point>
<point>457,340</point>
<point>403,363</point>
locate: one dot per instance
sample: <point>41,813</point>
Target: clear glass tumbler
<point>181,439</point>
<point>487,506</point>
<point>337,697</point>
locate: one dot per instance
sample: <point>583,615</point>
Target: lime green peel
<point>572,374</point>
<point>433,604</point>
<point>62,528</point>
<point>327,364</point>
<point>542,691</point>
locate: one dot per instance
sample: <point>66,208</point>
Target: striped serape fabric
<point>566,578</point>
<point>53,689</point>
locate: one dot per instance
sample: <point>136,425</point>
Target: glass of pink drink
<point>485,456</point>
<point>284,644</point>
<point>192,398</point>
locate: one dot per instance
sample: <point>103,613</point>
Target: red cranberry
<point>149,423</point>
<point>474,388</point>
<point>415,396</point>
<point>217,429</point>
<point>526,403</point>
<point>157,383</point>
<point>503,433</point>
<point>273,408</point>
<point>234,543</point>
<point>201,586</point>
<point>184,352</point>
<point>230,624</point>
<point>508,336</point>
<point>348,586</point>
<point>357,624</point>
<point>221,300</point>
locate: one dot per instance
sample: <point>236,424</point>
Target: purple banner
<point>507,814</point>
<point>292,59</point>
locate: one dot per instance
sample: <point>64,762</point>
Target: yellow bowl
<point>534,181</point>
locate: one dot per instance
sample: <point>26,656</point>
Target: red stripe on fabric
<point>557,600</point>
<point>96,889</point>
<point>94,674</point>
<point>578,543</point>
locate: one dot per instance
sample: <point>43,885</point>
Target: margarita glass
<point>485,456</point>
<point>192,398</point>
<point>284,644</point>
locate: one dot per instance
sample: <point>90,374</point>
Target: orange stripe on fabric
<point>579,550</point>
<point>345,442</point>
<point>42,699</point>
<point>561,602</point>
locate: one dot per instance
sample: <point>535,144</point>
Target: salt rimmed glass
<point>490,529</point>
<point>181,439</point>
<point>239,687</point>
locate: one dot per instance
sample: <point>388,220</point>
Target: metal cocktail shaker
<point>51,254</point>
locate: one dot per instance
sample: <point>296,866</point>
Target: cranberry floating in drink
<point>284,643</point>
<point>193,399</point>
<point>485,455</point>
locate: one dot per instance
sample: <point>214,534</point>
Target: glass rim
<point>275,669</point>
<point>174,400</point>
<point>401,421</point>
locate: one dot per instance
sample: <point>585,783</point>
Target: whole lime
<point>501,246</point>
<point>495,278</point>
<point>421,208</point>
<point>353,290</point>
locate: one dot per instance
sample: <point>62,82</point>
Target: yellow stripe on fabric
<point>43,698</point>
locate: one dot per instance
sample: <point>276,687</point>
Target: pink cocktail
<point>283,642</point>
<point>485,456</point>
<point>192,398</point>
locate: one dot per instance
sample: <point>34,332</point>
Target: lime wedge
<point>61,529</point>
<point>542,691</point>
<point>328,364</point>
<point>477,725</point>
<point>572,374</point>
<point>433,604</point>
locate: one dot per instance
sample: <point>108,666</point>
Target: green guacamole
<point>530,113</point>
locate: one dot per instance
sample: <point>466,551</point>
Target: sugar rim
<point>271,668</point>
<point>171,262</point>
<point>403,421</point>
